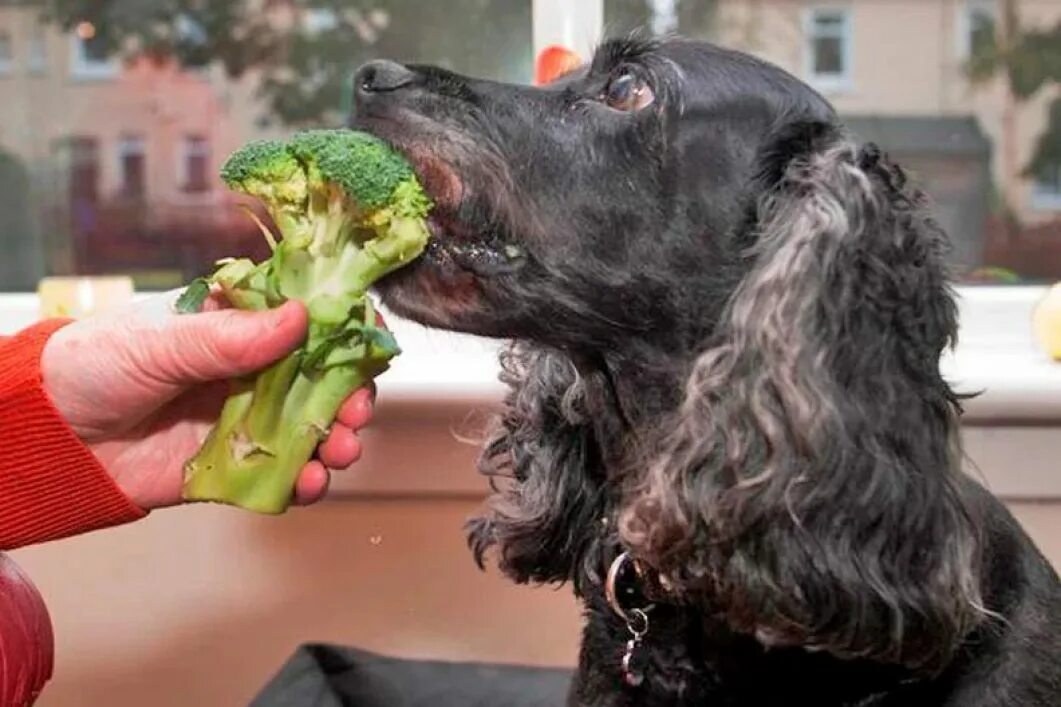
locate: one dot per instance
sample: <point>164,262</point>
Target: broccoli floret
<point>349,210</point>
<point>361,164</point>
<point>267,170</point>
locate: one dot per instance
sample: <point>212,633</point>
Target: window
<point>84,171</point>
<point>90,59</point>
<point>1046,193</point>
<point>977,27</point>
<point>195,165</point>
<point>37,54</point>
<point>132,163</point>
<point>137,190</point>
<point>7,52</point>
<point>174,132</point>
<point>123,170</point>
<point>828,48</point>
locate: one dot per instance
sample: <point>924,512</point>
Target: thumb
<point>211,346</point>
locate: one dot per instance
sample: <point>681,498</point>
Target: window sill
<point>996,356</point>
<point>440,387</point>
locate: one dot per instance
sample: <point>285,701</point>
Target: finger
<point>223,344</point>
<point>341,449</point>
<point>357,411</point>
<point>216,302</point>
<point>312,484</point>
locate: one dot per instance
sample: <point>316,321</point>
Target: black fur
<point>728,319</point>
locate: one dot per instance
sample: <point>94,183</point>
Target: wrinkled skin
<point>727,320</point>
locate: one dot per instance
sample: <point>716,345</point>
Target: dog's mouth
<point>463,233</point>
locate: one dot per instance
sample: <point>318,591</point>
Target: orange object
<point>51,485</point>
<point>554,62</point>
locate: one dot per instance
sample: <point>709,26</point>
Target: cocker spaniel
<point>727,426</point>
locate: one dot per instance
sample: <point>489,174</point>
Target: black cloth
<point>331,676</point>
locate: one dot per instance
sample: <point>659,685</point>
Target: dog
<point>726,425</point>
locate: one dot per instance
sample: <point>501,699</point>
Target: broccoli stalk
<point>349,211</point>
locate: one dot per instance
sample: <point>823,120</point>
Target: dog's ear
<point>809,488</point>
<point>542,463</point>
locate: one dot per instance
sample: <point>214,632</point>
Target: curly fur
<point>817,438</point>
<point>728,318</point>
<point>547,427</point>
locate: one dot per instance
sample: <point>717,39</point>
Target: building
<point>122,158</point>
<point>118,162</point>
<point>896,71</point>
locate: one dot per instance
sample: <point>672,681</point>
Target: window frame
<point>82,68</point>
<point>186,153</point>
<point>829,84</point>
<point>82,145</point>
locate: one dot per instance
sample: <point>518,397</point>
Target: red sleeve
<point>51,485</point>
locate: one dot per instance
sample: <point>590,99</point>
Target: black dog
<point>728,320</point>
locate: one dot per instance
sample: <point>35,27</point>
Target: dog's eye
<point>627,92</point>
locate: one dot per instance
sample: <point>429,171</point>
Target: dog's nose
<point>382,76</point>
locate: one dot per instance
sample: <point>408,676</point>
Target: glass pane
<point>94,49</point>
<point>197,176</point>
<point>132,164</point>
<point>115,138</point>
<point>828,56</point>
<point>239,77</point>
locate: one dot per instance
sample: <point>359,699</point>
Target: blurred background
<point>114,118</point>
<point>115,114</point>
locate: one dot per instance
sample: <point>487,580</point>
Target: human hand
<point>142,388</point>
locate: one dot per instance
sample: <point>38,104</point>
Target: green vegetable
<point>349,211</point>
<point>193,297</point>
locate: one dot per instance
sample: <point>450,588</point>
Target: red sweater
<point>51,486</point>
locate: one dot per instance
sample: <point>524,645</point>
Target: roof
<point>933,135</point>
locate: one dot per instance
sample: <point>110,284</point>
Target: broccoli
<point>349,210</point>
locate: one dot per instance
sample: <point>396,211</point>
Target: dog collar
<point>623,587</point>
<point>623,590</point>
